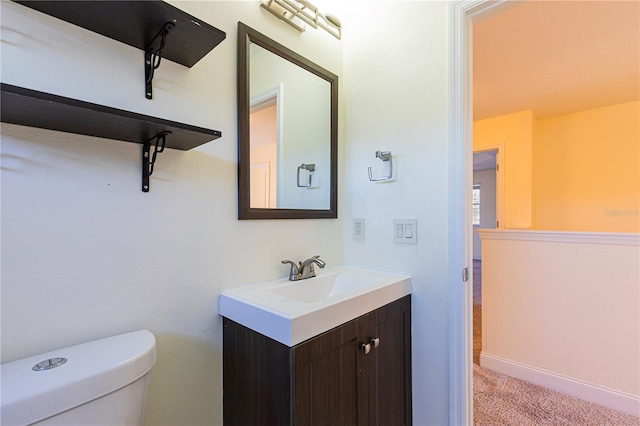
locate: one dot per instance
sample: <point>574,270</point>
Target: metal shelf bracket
<point>153,56</point>
<point>148,159</point>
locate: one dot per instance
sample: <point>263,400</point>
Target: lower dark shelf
<point>47,111</point>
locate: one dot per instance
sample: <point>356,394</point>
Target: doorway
<point>484,195</point>
<point>484,216</point>
<point>548,92</point>
<point>265,130</point>
<point>463,15</point>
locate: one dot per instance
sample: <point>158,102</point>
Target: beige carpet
<point>503,400</point>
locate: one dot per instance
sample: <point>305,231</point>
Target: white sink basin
<point>294,311</point>
<point>323,286</point>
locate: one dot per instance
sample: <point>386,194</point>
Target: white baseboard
<point>607,397</point>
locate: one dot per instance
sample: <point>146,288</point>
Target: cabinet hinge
<point>497,167</point>
<point>465,275</point>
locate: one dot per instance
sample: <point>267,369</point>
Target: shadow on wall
<point>106,163</point>
<point>183,365</point>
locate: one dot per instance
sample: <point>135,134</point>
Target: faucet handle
<point>294,272</point>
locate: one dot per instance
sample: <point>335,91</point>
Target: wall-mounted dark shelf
<point>47,111</point>
<point>39,109</point>
<point>138,24</point>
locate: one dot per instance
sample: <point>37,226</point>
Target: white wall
<point>86,254</point>
<point>565,313</point>
<point>396,98</point>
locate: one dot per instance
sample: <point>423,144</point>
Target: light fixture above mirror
<point>299,13</point>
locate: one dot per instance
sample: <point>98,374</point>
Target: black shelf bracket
<point>148,159</point>
<point>153,56</point>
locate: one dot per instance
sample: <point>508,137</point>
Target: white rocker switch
<point>405,231</point>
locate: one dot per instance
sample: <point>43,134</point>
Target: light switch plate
<point>405,231</point>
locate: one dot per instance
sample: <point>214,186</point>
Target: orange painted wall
<point>515,131</point>
<point>586,170</point>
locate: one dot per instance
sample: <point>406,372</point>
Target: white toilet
<point>103,382</point>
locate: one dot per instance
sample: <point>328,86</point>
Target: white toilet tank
<point>103,382</point>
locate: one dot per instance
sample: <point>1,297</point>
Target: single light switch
<point>408,230</point>
<point>399,230</point>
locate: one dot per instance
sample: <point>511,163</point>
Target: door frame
<point>460,251</point>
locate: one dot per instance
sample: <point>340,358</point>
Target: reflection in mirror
<point>287,132</point>
<point>264,129</point>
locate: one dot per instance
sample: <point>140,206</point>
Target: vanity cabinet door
<point>328,378</point>
<point>337,383</point>
<point>390,365</point>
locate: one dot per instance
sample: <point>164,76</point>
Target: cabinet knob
<point>375,342</point>
<point>366,348</point>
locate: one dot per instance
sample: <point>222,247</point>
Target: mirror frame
<point>246,36</point>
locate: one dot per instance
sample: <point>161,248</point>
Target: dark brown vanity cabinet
<point>356,374</point>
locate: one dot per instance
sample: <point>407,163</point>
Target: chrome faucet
<point>304,270</point>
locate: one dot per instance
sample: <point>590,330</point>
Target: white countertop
<point>294,311</point>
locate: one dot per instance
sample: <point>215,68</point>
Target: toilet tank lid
<point>92,370</point>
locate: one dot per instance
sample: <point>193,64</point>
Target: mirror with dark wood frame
<point>287,132</point>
